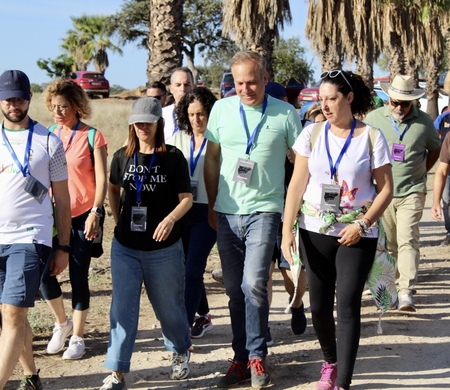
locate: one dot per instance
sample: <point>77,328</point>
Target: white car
<point>442,102</point>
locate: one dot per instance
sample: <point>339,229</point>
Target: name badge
<point>138,219</point>
<point>398,152</point>
<point>35,188</point>
<point>194,189</point>
<point>244,170</point>
<point>331,198</point>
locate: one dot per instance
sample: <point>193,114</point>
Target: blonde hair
<point>73,93</point>
<point>250,56</point>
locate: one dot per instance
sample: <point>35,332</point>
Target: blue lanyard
<point>193,162</point>
<point>334,168</point>
<point>175,122</point>
<point>71,137</point>
<point>244,124</point>
<point>398,131</point>
<point>139,183</point>
<point>23,168</point>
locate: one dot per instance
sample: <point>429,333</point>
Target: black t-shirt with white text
<point>168,177</point>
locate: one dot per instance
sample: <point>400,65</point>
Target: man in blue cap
<point>32,161</point>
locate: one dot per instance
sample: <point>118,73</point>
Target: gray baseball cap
<point>145,110</point>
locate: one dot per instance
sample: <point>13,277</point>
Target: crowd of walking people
<point>238,172</point>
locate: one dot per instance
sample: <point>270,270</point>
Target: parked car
<point>306,96</point>
<point>442,102</point>
<point>93,83</point>
<point>231,92</point>
<point>226,84</point>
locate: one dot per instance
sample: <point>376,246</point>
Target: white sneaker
<point>180,369</point>
<point>76,348</point>
<point>112,382</point>
<point>217,275</point>
<point>406,303</point>
<point>60,332</point>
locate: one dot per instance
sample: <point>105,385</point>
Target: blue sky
<point>32,29</point>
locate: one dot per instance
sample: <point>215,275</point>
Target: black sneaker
<point>201,325</point>
<point>238,373</point>
<point>298,320</point>
<point>260,376</point>
<point>30,382</point>
<point>445,242</point>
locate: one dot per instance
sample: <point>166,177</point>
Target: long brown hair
<point>133,140</point>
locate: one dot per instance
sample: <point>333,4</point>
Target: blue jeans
<point>198,239</point>
<point>445,207</point>
<point>162,272</point>
<point>79,263</point>
<point>246,244</point>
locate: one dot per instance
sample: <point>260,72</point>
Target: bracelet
<point>171,219</point>
<point>369,222</point>
<point>96,214</point>
<point>363,227</point>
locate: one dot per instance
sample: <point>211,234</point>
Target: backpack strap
<point>315,133</point>
<point>52,128</point>
<point>372,137</point>
<point>91,138</point>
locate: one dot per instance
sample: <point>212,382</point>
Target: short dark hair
<point>157,84</point>
<point>184,69</point>
<point>201,94</point>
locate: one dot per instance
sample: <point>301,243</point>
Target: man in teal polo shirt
<point>415,147</point>
<point>249,135</point>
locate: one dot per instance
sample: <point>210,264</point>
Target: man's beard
<point>18,116</point>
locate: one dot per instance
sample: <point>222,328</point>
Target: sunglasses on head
<point>396,103</point>
<point>334,73</point>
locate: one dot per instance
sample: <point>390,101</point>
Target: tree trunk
<point>432,88</point>
<point>397,59</point>
<point>164,41</point>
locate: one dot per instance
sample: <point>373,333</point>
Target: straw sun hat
<point>402,89</point>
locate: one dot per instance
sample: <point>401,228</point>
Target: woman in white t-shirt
<point>332,186</point>
<point>198,236</point>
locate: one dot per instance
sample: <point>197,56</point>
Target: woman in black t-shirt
<point>146,246</point>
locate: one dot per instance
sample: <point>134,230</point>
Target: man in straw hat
<point>415,146</point>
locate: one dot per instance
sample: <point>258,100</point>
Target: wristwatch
<point>64,248</point>
<point>97,210</point>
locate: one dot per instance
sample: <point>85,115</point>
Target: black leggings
<point>329,264</point>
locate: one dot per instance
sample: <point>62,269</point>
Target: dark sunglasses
<point>157,97</point>
<point>396,103</point>
<point>334,73</point>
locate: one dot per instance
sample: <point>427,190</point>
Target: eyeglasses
<point>158,97</point>
<point>59,108</point>
<point>334,73</point>
<point>396,103</point>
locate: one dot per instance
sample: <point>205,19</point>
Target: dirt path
<point>413,352</point>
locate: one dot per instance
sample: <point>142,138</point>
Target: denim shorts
<point>21,266</point>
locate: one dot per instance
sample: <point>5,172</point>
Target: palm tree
<point>89,41</point>
<point>254,25</point>
<point>165,42</point>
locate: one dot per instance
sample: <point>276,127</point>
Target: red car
<point>93,83</point>
<point>308,95</point>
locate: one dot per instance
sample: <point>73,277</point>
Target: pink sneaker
<point>329,374</point>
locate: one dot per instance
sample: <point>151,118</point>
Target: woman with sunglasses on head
<point>198,236</point>
<point>332,187</point>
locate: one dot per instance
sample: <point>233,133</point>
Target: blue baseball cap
<point>275,90</point>
<point>14,84</point>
